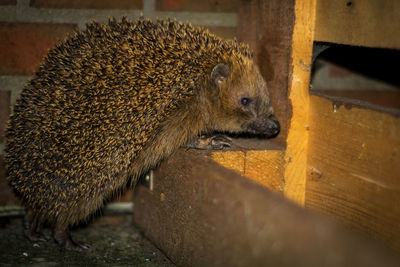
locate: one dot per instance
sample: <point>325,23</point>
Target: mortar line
<point>23,13</point>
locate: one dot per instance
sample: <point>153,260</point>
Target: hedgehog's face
<point>244,104</point>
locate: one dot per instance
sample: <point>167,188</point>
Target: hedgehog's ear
<point>220,73</point>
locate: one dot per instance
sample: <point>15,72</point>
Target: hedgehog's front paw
<point>215,142</point>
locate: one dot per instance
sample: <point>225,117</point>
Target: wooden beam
<point>354,165</point>
<point>267,27</point>
<point>378,97</point>
<point>369,23</point>
<point>201,214</point>
<point>281,34</point>
<point>297,139</point>
<point>264,165</point>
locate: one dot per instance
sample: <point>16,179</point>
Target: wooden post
<point>297,140</point>
<point>281,33</point>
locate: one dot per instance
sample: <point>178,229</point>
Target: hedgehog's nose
<point>266,125</point>
<point>273,125</point>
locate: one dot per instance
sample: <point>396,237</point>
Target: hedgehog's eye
<point>244,101</point>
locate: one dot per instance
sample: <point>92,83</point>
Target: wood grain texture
<point>354,167</point>
<point>296,143</point>
<point>281,34</point>
<point>264,167</point>
<point>267,27</point>
<point>359,22</point>
<point>201,214</point>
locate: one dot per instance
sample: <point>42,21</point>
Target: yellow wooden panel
<point>372,23</point>
<point>296,150</point>
<point>354,167</point>
<point>233,160</point>
<point>264,167</point>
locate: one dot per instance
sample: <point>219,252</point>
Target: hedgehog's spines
<point>97,102</point>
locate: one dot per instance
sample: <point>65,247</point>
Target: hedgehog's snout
<point>266,125</point>
<point>273,125</point>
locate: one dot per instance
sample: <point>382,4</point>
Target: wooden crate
<point>202,214</point>
<point>334,156</point>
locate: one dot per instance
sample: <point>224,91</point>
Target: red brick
<point>4,112</point>
<point>23,45</point>
<point>8,2</point>
<point>198,6</point>
<point>95,4</point>
<point>7,194</point>
<point>224,32</point>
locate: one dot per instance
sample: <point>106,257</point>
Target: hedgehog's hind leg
<point>33,227</point>
<point>63,238</point>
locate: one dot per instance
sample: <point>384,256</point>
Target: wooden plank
<point>354,166</point>
<point>263,166</point>
<point>296,150</point>
<point>201,214</point>
<point>371,23</point>
<point>267,27</point>
<point>258,159</point>
<point>281,34</point>
<point>378,97</point>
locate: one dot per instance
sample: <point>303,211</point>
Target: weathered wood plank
<point>263,166</point>
<point>378,97</point>
<point>354,166</point>
<point>281,34</point>
<point>201,214</point>
<point>369,23</point>
<point>296,150</point>
<point>267,27</point>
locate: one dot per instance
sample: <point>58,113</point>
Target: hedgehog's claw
<point>35,236</point>
<point>75,246</point>
<point>215,142</point>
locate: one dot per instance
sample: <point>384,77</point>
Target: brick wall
<point>28,28</point>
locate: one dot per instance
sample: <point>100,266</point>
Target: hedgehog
<point>112,101</point>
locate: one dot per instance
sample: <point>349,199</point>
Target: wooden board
<point>264,167</point>
<point>384,98</point>
<point>201,214</point>
<point>281,34</point>
<point>371,23</point>
<point>301,53</point>
<point>267,27</point>
<point>354,166</point>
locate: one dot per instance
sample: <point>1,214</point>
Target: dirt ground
<point>115,240</point>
